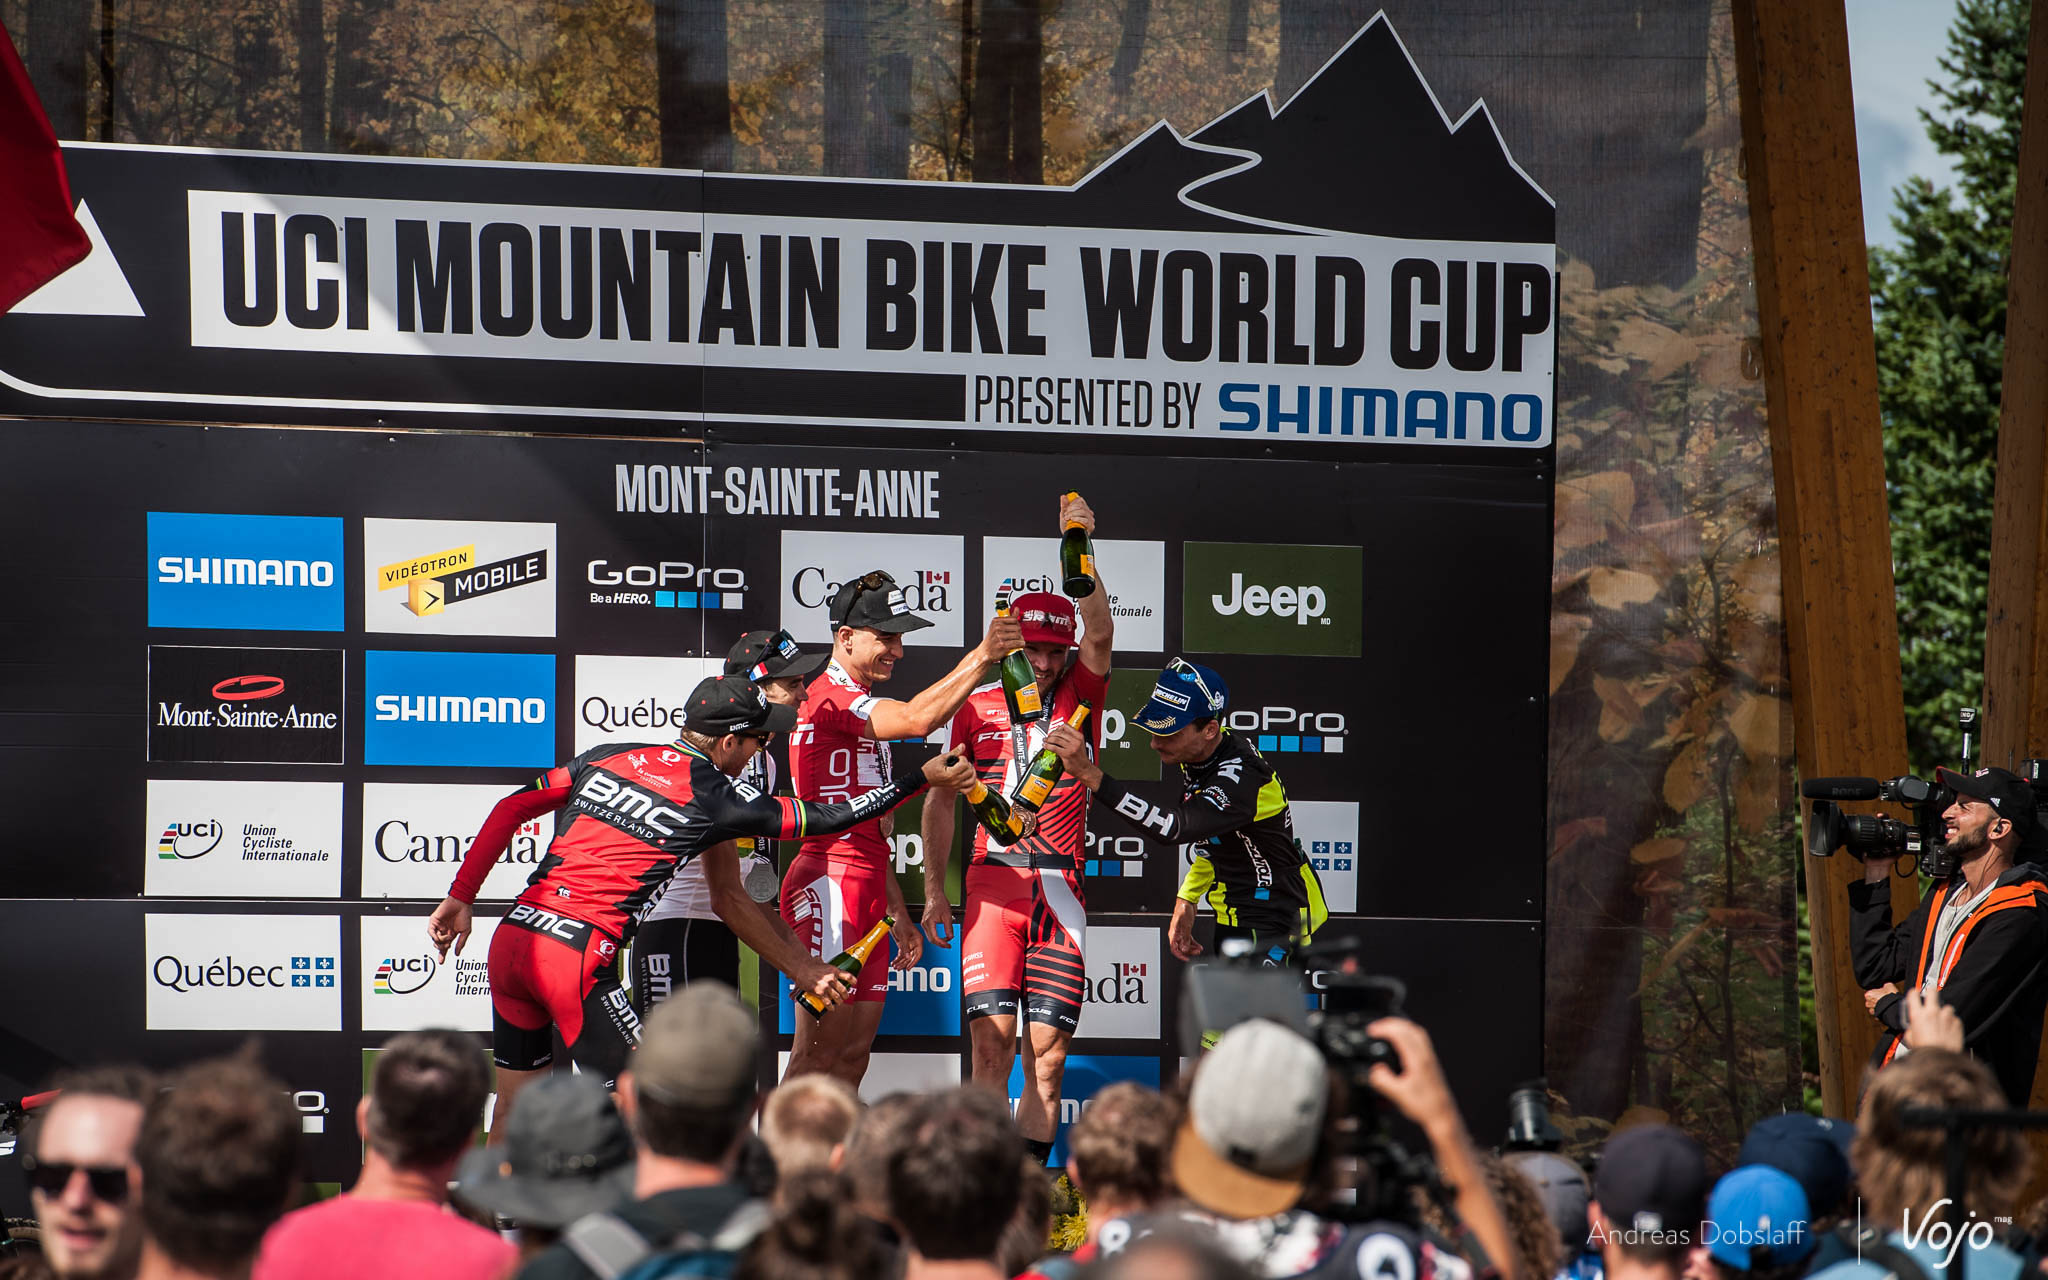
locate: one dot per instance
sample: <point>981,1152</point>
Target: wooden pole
<point>2016,631</point>
<point>1827,454</point>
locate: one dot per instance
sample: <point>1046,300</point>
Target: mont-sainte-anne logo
<point>1352,264</point>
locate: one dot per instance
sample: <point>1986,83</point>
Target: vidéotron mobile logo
<point>453,577</point>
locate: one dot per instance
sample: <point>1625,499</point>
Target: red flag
<point>39,239</point>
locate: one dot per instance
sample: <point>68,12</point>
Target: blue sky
<point>1893,45</point>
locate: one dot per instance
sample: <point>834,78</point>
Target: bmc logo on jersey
<point>245,573</point>
<point>640,814</point>
<point>459,708</point>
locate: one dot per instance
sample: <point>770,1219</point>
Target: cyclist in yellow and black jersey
<point>1233,811</point>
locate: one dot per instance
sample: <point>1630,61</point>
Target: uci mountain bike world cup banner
<point>1352,265</point>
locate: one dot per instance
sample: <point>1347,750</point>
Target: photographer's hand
<point>1420,1092</point>
<point>1875,994</point>
<point>1930,1024</point>
<point>1876,870</point>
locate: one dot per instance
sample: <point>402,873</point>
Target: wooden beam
<point>2016,628</point>
<point>1827,455</point>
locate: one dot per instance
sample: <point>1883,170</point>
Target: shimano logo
<point>456,709</point>
<point>228,974</point>
<point>235,571</point>
<point>1301,603</point>
<point>921,978</point>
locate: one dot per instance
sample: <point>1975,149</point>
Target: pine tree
<point>1939,299</point>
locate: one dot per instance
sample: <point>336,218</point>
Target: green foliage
<point>1939,302</point>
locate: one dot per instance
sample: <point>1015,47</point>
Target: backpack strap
<point>749,1220</point>
<point>609,1247</point>
<point>1874,1249</point>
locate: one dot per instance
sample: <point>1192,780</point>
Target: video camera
<point>1867,836</point>
<point>1365,1173</point>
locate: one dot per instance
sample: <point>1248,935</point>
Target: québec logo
<point>227,973</point>
<point>185,840</point>
<point>668,584</point>
<point>1332,855</point>
<point>403,975</point>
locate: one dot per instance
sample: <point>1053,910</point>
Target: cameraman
<point>1980,940</point>
<point>1256,1136</point>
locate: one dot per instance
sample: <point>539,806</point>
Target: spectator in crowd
<point>817,1234</point>
<point>1247,1153</point>
<point>688,1094</point>
<point>806,1122</point>
<point>954,1183</point>
<point>1758,1227</point>
<point>219,1158</point>
<point>1117,1155</point>
<point>1024,1240</point>
<point>876,1135</point>
<point>425,1104</point>
<point>79,1171</point>
<point>1170,1255</point>
<point>1649,1204</point>
<point>565,1153</point>
<point>1900,1169</point>
<point>1562,1187</point>
<point>1814,1151</point>
<point>1537,1250</point>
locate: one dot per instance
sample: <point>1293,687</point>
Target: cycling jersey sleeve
<point>1201,874</point>
<point>1211,811</point>
<point>851,719</point>
<point>736,812</point>
<point>1091,688</point>
<point>548,792</point>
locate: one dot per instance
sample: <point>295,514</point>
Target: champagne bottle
<point>1077,561</point>
<point>996,818</point>
<point>1045,770</point>
<point>848,961</point>
<point>1020,684</point>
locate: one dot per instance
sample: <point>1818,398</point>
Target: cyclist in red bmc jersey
<point>1026,919</point>
<point>838,886</point>
<point>631,813</point>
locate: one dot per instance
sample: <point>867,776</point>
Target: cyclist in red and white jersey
<point>1026,916</point>
<point>838,886</point>
<point>630,813</point>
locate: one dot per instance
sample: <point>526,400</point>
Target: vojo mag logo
<point>452,577</point>
<point>245,573</point>
<point>1260,598</point>
<point>459,708</point>
<point>665,584</point>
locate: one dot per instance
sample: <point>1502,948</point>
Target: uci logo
<point>190,839</point>
<point>403,975</point>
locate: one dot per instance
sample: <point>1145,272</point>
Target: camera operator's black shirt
<point>1234,813</point>
<point>1995,975</point>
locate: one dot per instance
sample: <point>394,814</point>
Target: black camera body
<point>1866,835</point>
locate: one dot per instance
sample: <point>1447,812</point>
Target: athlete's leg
<point>996,903</point>
<point>658,962</point>
<point>1045,1066</point>
<point>711,953</point>
<point>993,1038</point>
<point>815,913</point>
<point>522,1033</point>
<point>509,1084</point>
<point>609,1032</point>
<point>862,1019</point>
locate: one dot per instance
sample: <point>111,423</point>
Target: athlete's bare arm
<point>922,715</point>
<point>1098,627</point>
<point>770,938</point>
<point>937,826</point>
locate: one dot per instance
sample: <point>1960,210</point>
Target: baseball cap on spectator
<point>566,1153</point>
<point>734,704</point>
<point>1757,1219</point>
<point>770,655</point>
<point>875,602</point>
<point>1653,1178</point>
<point>1255,1115</point>
<point>1561,1185</point>
<point>1044,618</point>
<point>2002,789</point>
<point>1813,1149</point>
<point>1183,694</point>
<point>697,1049</point>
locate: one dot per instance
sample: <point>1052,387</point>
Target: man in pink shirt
<point>426,1101</point>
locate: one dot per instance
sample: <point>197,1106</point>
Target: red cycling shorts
<point>1021,947</point>
<point>550,972</point>
<point>830,905</point>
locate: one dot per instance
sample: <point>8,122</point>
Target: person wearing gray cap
<point>1252,1141</point>
<point>688,1094</point>
<point>566,1153</point>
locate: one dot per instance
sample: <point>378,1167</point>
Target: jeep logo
<point>1298,603</point>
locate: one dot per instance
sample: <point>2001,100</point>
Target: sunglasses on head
<point>108,1184</point>
<point>1181,666</point>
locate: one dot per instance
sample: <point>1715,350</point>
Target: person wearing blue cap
<point>1233,811</point>
<point>1758,1227</point>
